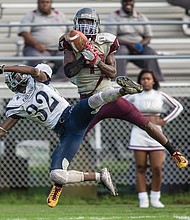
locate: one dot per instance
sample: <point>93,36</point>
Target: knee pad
<point>99,99</point>
<point>95,101</point>
<point>59,176</point>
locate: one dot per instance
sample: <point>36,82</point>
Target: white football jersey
<point>88,77</point>
<point>41,103</point>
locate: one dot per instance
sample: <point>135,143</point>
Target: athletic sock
<point>169,147</point>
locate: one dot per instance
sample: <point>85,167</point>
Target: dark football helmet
<point>87,21</point>
<point>13,80</point>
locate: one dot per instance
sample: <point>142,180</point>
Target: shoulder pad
<point>64,42</point>
<point>64,37</point>
<point>105,38</point>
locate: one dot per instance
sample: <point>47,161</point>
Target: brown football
<point>78,40</point>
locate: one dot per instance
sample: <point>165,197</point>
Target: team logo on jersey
<point>28,94</point>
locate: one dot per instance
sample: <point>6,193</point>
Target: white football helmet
<point>13,80</point>
<point>91,26</point>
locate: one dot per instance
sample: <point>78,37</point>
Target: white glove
<point>91,55</point>
<point>2,68</point>
<point>88,55</point>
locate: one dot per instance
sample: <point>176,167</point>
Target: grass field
<point>91,212</point>
<point>23,206</point>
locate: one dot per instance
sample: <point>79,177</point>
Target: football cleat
<point>54,195</point>
<point>129,86</point>
<point>106,181</point>
<point>180,160</point>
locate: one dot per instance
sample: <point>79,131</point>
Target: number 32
<point>41,113</point>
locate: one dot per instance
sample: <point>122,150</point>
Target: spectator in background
<point>152,103</point>
<point>42,40</point>
<point>133,39</point>
<point>186,5</point>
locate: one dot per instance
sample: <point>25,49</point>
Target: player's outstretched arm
<point>37,74</point>
<point>7,125</point>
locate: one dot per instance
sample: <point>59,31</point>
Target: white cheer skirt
<point>140,140</point>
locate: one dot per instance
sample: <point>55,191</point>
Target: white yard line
<point>182,217</point>
<point>105,218</point>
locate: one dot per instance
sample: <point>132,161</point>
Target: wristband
<point>3,129</point>
<point>37,74</point>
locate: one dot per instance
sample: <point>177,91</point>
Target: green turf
<point>91,212</point>
<point>24,206</point>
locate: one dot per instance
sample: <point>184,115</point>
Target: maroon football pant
<point>120,109</point>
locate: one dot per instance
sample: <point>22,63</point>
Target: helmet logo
<point>86,15</point>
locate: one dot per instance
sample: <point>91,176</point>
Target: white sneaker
<point>186,27</point>
<point>143,203</point>
<point>106,181</point>
<point>157,204</point>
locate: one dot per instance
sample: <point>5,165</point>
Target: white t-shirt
<point>47,35</point>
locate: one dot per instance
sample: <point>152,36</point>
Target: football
<point>78,40</point>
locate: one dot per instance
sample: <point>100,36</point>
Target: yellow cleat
<point>54,195</point>
<point>180,160</point>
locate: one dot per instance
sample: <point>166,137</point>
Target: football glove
<point>91,53</point>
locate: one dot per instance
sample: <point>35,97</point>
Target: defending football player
<point>37,100</point>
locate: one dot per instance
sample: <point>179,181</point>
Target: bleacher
<point>168,39</point>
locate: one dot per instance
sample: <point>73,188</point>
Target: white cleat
<point>106,181</point>
<point>129,85</point>
<point>157,204</point>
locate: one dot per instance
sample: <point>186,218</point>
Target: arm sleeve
<point>177,108</point>
<point>73,68</point>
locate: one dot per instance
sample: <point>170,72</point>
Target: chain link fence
<point>25,151</point>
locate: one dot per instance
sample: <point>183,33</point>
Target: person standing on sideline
<point>151,102</point>
<point>35,99</point>
<point>133,39</point>
<point>41,41</point>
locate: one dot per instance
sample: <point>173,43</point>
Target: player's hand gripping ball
<point>78,40</point>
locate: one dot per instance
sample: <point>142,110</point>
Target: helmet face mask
<point>87,21</point>
<point>14,80</point>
